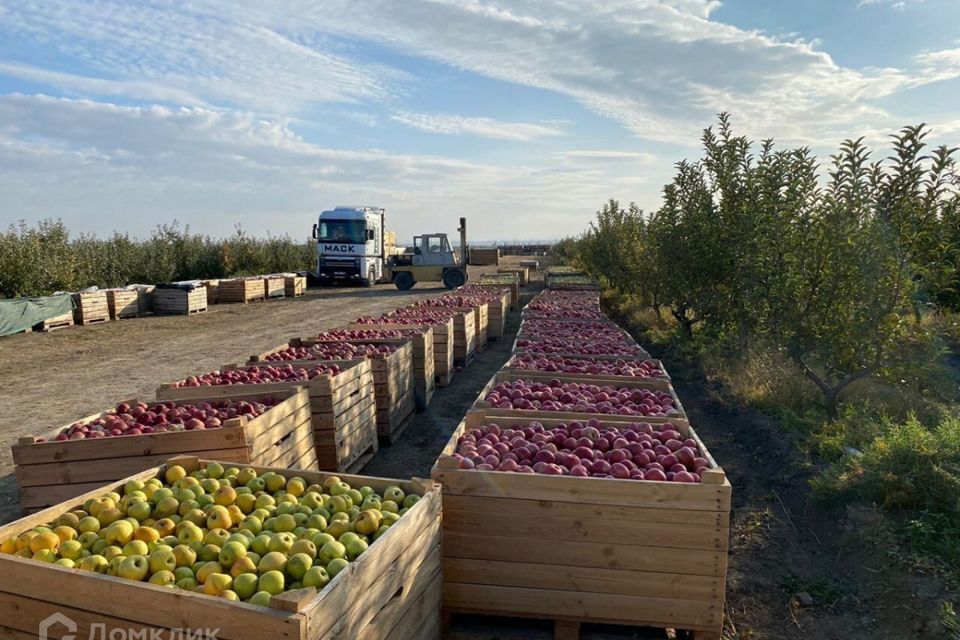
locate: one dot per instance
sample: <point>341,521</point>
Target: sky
<point>523,116</point>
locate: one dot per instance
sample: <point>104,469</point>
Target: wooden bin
<point>294,286</point>
<point>523,274</point>
<point>677,417</point>
<point>123,303</point>
<point>497,316</point>
<point>442,346</point>
<point>424,365</point>
<point>342,407</point>
<point>659,382</point>
<point>145,298</point>
<point>241,290</point>
<point>393,380</point>
<point>213,291</point>
<point>50,472</point>
<point>91,307</point>
<point>179,301</point>
<point>464,333</point>
<point>391,592</point>
<point>575,550</point>
<point>484,257</point>
<point>504,281</point>
<point>274,287</point>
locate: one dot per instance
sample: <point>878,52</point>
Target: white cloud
<point>480,127</point>
<point>103,166</point>
<point>900,5</point>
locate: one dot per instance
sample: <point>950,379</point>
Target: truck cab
<point>350,245</point>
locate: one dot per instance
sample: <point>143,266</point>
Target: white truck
<point>351,247</point>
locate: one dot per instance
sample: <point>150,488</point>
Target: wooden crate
<point>442,359</point>
<point>576,550</point>
<point>241,290</point>
<point>145,299</point>
<point>497,317</point>
<point>393,380</point>
<point>179,301</point>
<point>274,287</point>
<point>342,407</point>
<point>679,417</point>
<point>213,291</point>
<point>660,383</point>
<point>504,281</point>
<point>123,303</point>
<point>54,323</point>
<point>50,472</point>
<point>464,332</point>
<point>484,257</point>
<point>523,274</point>
<point>294,286</point>
<point>91,307</point>
<point>391,592</point>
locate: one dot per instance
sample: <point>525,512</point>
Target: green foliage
<point>749,248</point>
<point>43,259</point>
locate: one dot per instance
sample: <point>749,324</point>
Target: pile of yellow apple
<point>223,532</point>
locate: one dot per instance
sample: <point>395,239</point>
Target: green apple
<point>120,532</point>
<point>136,548</point>
<point>245,585</point>
<point>311,500</point>
<point>88,523</point>
<point>134,568</point>
<point>261,544</point>
<point>245,475</point>
<point>261,598</point>
<point>183,572</point>
<point>95,563</point>
<point>71,549</point>
<point>389,506</point>
<point>164,578</point>
<point>368,521</point>
<point>371,502</point>
<point>218,537</point>
<point>139,509</point>
<point>331,551</point>
<point>389,518</point>
<point>217,583</point>
<point>275,482</point>
<point>321,539</point>
<point>190,533</point>
<point>65,562</point>
<point>298,564</point>
<point>272,582</point>
<point>241,538</point>
<point>87,539</point>
<point>336,565</point>
<point>355,548</point>
<point>285,523</point>
<point>281,542</point>
<point>209,553</point>
<point>163,559</point>
<point>273,561</point>
<point>339,489</point>
<point>207,570</point>
<point>410,500</point>
<point>184,555</point>
<point>304,546</point>
<point>394,494</point>
<point>187,584</point>
<point>316,577</point>
<point>231,552</point>
<point>112,552</point>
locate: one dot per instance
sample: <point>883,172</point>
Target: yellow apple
<point>245,584</point>
<point>184,555</point>
<point>134,568</point>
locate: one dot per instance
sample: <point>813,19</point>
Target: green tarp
<point>20,314</point>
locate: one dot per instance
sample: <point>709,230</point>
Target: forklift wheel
<point>404,281</point>
<point>453,278</point>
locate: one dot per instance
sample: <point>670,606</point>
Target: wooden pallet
<point>274,287</point>
<point>602,550</point>
<point>294,286</point>
<point>91,307</point>
<point>391,592</point>
<point>55,323</point>
<point>241,290</point>
<point>123,303</point>
<point>50,472</point>
<point>179,301</point>
<point>464,625</point>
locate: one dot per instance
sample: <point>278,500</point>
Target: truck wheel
<point>404,281</point>
<point>453,279</point>
<point>369,280</point>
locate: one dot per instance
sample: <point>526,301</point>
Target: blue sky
<point>524,116</point>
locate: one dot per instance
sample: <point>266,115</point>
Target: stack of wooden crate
<point>274,287</point>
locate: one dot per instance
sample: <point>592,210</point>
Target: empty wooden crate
<point>179,301</point>
<point>241,290</point>
<point>123,303</point>
<point>91,307</point>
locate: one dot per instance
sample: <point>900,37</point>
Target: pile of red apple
<point>558,329</point>
<point>530,395</point>
<point>260,374</point>
<point>484,293</point>
<point>582,345</point>
<point>587,449</point>
<point>332,351</point>
<point>336,335</point>
<point>632,368</point>
<point>141,418</point>
<point>411,315</point>
<point>565,305</point>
